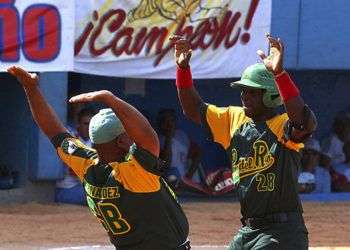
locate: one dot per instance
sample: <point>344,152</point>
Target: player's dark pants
<point>287,235</point>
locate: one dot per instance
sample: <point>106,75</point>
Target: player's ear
<point>122,140</point>
<point>118,141</point>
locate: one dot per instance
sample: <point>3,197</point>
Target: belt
<point>257,222</point>
<point>184,246</point>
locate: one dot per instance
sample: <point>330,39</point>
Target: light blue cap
<point>105,126</point>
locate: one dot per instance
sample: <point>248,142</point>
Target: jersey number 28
<point>266,182</point>
<point>110,217</point>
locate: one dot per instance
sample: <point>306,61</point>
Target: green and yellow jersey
<point>130,199</point>
<point>264,161</point>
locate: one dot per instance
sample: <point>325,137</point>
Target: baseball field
<point>212,224</point>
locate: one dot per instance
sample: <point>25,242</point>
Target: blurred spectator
<point>343,169</point>
<point>7,177</point>
<point>333,145</point>
<point>314,178</point>
<point>176,149</point>
<point>72,115</point>
<point>70,189</point>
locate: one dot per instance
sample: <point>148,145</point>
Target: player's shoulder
<point>280,127</point>
<point>278,121</point>
<point>70,145</point>
<point>236,110</point>
<point>139,157</point>
<point>238,116</point>
<point>75,147</point>
<point>280,117</point>
<point>231,109</point>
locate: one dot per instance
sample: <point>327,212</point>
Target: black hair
<point>87,111</point>
<point>163,112</point>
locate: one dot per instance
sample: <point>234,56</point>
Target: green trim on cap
<point>257,76</point>
<point>245,83</point>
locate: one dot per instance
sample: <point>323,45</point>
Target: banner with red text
<point>129,38</point>
<point>37,35</point>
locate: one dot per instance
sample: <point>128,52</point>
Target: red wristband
<point>286,86</point>
<point>183,78</point>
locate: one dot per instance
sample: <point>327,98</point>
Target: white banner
<point>129,38</point>
<point>38,35</point>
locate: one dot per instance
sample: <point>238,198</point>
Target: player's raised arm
<point>42,112</point>
<point>189,98</point>
<point>135,124</point>
<point>302,118</point>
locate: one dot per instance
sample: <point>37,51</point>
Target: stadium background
<point>315,33</point>
<point>316,37</point>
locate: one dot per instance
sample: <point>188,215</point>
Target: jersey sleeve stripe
<point>135,178</point>
<point>58,139</point>
<point>76,155</point>
<point>78,164</point>
<point>277,127</point>
<point>149,162</point>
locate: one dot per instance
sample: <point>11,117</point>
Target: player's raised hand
<point>28,80</point>
<point>95,96</point>
<point>183,51</point>
<point>274,61</point>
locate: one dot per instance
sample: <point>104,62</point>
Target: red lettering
<point>125,35</point>
<point>79,43</point>
<point>9,28</point>
<point>7,2</point>
<point>179,32</point>
<point>207,27</point>
<point>226,27</point>
<point>230,43</point>
<point>187,31</point>
<point>41,33</point>
<point>208,33</point>
<point>40,28</point>
<point>248,22</point>
<point>140,41</point>
<point>156,34</point>
<point>114,26</point>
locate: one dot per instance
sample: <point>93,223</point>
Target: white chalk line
<point>219,247</point>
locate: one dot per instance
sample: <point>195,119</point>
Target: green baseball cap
<point>105,126</point>
<point>257,76</point>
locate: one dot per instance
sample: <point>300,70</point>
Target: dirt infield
<point>30,226</point>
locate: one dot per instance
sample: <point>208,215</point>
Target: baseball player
<point>121,176</point>
<point>262,144</point>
